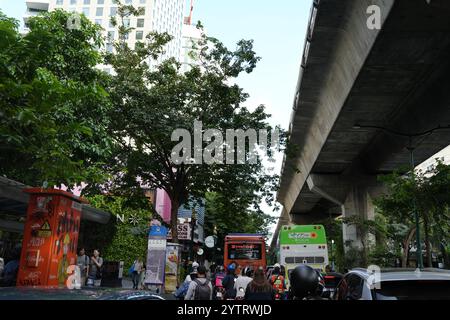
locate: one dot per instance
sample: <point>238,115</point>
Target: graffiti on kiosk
<point>36,242</point>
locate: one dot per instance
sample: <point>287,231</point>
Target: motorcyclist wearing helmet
<point>228,282</point>
<point>278,282</point>
<point>304,283</point>
<point>242,281</point>
<point>218,289</point>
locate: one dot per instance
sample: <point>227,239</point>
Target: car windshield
<point>414,290</point>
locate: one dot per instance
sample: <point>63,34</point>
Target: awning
<point>14,200</point>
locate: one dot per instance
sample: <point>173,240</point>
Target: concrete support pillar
<point>358,202</point>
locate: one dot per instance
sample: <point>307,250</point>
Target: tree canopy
<point>151,102</point>
<point>53,105</point>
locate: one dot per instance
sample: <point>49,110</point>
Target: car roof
<point>405,274</point>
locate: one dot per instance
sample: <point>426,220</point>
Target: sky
<point>278,29</point>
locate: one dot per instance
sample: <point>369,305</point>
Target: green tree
<point>364,228</point>
<point>53,106</point>
<point>233,215</point>
<point>149,104</point>
<point>430,192</point>
<point>118,240</point>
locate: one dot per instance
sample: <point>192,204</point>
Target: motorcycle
<point>220,291</point>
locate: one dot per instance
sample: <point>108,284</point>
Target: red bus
<point>245,250</point>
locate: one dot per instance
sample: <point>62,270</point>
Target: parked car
<point>23,293</point>
<point>395,284</point>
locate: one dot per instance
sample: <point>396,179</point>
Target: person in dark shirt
<point>259,288</point>
<point>228,282</point>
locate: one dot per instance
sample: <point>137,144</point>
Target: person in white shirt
<point>242,281</point>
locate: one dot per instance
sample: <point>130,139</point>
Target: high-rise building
<point>158,15</point>
<point>191,36</point>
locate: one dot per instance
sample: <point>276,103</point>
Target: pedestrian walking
<point>95,269</point>
<point>83,264</point>
<point>259,288</point>
<point>142,277</point>
<point>136,272</point>
<point>200,288</point>
<point>181,292</point>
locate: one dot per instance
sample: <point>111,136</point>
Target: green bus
<point>303,244</point>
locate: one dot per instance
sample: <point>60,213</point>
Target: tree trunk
<point>406,243</point>
<point>174,220</point>
<point>426,226</point>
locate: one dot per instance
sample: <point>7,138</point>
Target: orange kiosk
<point>50,238</point>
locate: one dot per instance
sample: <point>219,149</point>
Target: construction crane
<point>188,20</point>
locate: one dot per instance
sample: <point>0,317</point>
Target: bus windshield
<point>247,251</point>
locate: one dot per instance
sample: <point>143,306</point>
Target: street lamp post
<point>192,235</point>
<point>332,255</point>
<point>412,165</point>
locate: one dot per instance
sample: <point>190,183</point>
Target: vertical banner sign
<point>156,256</point>
<point>172,261</point>
<point>50,238</point>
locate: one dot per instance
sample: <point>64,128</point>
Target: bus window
<point>245,251</point>
<point>289,260</point>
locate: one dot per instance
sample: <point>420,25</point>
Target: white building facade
<point>158,15</point>
<point>190,37</point>
<point>428,165</point>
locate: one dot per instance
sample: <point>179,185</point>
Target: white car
<point>395,284</point>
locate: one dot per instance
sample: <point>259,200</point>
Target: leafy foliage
<point>227,215</point>
<point>428,193</point>
<point>117,241</point>
<point>150,103</point>
<point>52,102</point>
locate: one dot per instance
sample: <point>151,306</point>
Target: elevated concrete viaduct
<point>396,77</point>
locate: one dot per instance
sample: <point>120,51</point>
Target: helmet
<point>304,281</point>
<point>248,271</point>
<point>231,267</point>
<point>276,265</point>
<point>195,264</point>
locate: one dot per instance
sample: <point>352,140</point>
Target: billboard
<point>184,231</point>
<point>156,256</point>
<point>172,261</point>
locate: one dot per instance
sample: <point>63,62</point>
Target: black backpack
<point>202,291</point>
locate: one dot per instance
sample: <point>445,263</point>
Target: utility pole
<point>193,221</point>
<point>414,204</point>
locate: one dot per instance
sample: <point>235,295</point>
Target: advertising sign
<point>156,256</point>
<point>172,261</point>
<point>50,238</point>
<point>184,231</point>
